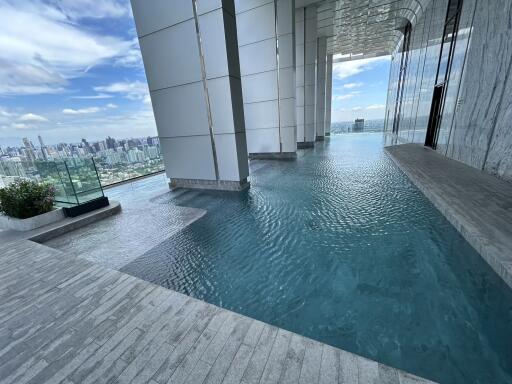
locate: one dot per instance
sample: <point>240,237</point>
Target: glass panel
<point>76,181</point>
<point>450,31</point>
<point>84,178</point>
<point>115,167</point>
<point>55,173</point>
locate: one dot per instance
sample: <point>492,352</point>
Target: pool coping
<point>68,224</point>
<point>490,247</point>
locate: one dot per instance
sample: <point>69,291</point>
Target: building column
<point>305,85</point>
<point>328,95</point>
<point>266,40</point>
<point>320,88</point>
<point>190,55</point>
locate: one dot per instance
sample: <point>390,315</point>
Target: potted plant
<point>26,205</point>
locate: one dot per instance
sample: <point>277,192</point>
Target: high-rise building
<point>44,150</point>
<point>29,149</point>
<point>110,143</point>
<point>358,125</point>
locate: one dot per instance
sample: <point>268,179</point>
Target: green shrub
<point>24,199</point>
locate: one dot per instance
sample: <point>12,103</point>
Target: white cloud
<point>344,97</point>
<point>87,111</point>
<point>132,57</point>
<point>78,9</point>
<point>41,48</point>
<point>372,111</point>
<point>92,97</point>
<point>95,126</point>
<point>81,111</point>
<point>367,107</point>
<point>347,96</point>
<point>352,85</point>
<point>32,118</point>
<point>376,106</point>
<point>20,126</point>
<point>347,69</point>
<point>5,113</point>
<point>136,90</point>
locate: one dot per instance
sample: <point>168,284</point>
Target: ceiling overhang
<point>358,29</point>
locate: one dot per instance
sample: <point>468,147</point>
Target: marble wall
<point>477,115</point>
<point>481,130</point>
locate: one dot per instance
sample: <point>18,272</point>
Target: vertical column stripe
<point>205,87</point>
<point>276,20</point>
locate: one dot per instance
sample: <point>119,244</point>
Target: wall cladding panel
<point>484,85</point>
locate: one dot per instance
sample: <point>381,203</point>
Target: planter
<point>31,223</point>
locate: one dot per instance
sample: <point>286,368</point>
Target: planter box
<point>31,223</point>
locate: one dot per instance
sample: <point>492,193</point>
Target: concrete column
<point>328,95</point>
<point>190,54</point>
<point>307,86</point>
<point>320,88</point>
<point>266,39</point>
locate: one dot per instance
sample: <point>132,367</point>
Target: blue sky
<point>71,69</point>
<point>359,89</point>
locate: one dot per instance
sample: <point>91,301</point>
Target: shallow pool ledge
<point>477,204</point>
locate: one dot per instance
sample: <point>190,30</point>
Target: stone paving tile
<point>87,324</point>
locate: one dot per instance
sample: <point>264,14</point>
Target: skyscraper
<point>29,149</point>
<point>111,143</point>
<point>44,150</point>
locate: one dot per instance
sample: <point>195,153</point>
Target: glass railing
<point>116,173</point>
<point>76,181</point>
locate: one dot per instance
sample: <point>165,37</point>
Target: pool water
<point>339,246</point>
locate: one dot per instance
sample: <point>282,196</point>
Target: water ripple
<point>341,247</point>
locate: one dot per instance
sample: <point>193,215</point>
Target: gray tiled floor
<point>67,320</point>
<point>477,204</point>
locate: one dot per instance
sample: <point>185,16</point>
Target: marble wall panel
<point>484,89</point>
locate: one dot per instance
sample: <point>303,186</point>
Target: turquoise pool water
<point>339,246</point>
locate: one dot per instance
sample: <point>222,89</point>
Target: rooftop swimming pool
<point>339,246</point>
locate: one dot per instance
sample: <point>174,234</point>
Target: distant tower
<point>87,147</point>
<point>29,149</point>
<point>358,125</point>
<point>111,142</point>
<point>44,150</point>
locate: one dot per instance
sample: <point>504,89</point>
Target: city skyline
<point>116,159</point>
<point>35,138</point>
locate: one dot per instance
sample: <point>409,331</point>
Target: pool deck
<point>68,320</point>
<point>477,204</point>
<point>68,224</point>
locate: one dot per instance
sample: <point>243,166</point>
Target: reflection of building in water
<point>358,125</point>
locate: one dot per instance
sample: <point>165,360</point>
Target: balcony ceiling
<point>359,29</point>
